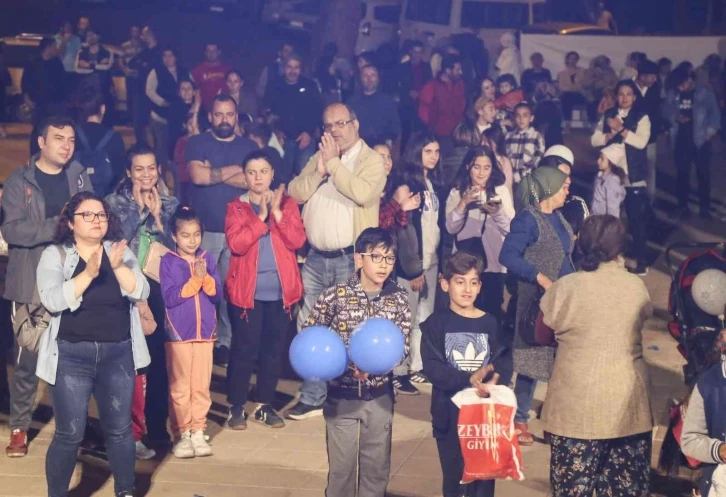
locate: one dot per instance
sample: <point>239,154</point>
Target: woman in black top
<point>94,344</point>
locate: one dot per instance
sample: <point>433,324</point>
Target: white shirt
<point>328,215</point>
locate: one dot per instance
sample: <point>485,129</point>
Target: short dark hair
<point>448,61</point>
<point>602,239</point>
<point>569,54</point>
<point>45,43</point>
<point>135,151</point>
<point>89,106</point>
<point>664,61</point>
<point>64,234</point>
<point>370,66</point>
<point>234,71</point>
<point>259,154</point>
<point>679,76</point>
<point>371,238</point>
<point>466,134</point>
<point>222,98</point>
<point>417,44</point>
<point>169,48</point>
<point>59,122</point>
<point>461,263</point>
<point>506,78</point>
<point>261,130</point>
<point>184,214</point>
<point>647,67</point>
<point>294,56</point>
<point>524,105</point>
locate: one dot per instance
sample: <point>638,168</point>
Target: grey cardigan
<point>26,229</point>
<point>57,294</point>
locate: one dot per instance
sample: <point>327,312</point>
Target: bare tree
<point>338,24</point>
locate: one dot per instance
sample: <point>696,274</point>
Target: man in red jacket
<point>443,100</point>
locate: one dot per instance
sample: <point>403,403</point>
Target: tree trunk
<point>338,23</point>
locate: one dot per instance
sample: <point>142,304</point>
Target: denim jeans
<point>216,245</point>
<point>106,371</point>
<point>524,391</point>
<point>422,306</point>
<point>296,157</point>
<point>319,274</point>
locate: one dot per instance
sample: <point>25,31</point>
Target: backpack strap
<point>82,136</point>
<point>104,141</point>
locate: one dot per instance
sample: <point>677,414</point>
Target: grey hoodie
<point>26,229</point>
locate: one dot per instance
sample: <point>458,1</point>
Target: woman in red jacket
<point>264,229</point>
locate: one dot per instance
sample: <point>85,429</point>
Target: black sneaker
<point>221,356</point>
<point>639,270</point>
<point>419,377</point>
<point>237,419</point>
<point>301,411</point>
<point>268,417</point>
<point>403,385</point>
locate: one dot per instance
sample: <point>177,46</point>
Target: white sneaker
<point>183,448</point>
<point>200,446</point>
<point>143,452</point>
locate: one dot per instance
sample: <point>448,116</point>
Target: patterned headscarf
<point>538,186</point>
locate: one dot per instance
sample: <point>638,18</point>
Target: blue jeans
<point>319,274</point>
<point>297,158</point>
<point>106,371</point>
<point>524,391</point>
<point>216,245</point>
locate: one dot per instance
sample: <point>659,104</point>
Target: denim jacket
<point>57,294</point>
<point>125,207</point>
<point>706,114</point>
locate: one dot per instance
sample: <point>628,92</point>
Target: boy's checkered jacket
<point>525,149</point>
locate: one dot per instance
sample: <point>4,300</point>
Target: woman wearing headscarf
<point>537,251</point>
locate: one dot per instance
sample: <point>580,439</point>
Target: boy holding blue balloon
<point>460,348</point>
<point>359,408</point>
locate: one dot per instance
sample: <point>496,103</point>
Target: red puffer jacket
<point>243,229</point>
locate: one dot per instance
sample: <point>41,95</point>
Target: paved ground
<point>292,462</point>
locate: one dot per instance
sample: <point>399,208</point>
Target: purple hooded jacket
<point>190,311</point>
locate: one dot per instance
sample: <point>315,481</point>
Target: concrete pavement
<point>292,462</point>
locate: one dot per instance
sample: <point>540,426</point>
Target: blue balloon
<point>377,347</point>
<point>318,353</point>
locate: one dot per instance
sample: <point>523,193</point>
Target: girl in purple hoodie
<point>191,286</point>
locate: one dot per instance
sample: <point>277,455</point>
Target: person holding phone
<point>478,212</point>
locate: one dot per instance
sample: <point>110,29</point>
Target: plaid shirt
<point>524,149</point>
<point>391,216</point>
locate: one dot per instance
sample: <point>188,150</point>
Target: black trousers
<point>258,337</point>
<point>157,379</point>
<point>637,206</point>
<point>687,154</point>
<point>491,296</point>
<point>452,468</point>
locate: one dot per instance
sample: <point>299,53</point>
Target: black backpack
<point>96,162</point>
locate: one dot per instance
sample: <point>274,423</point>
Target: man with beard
<point>214,161</point>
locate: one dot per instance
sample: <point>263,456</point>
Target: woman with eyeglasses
<point>144,216</point>
<point>90,282</point>
<point>263,229</point>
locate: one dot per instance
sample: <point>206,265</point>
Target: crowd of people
<point>254,208</point>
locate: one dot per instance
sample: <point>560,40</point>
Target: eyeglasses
<point>90,217</point>
<point>337,125</point>
<point>377,258</point>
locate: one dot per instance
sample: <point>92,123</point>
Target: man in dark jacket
<point>296,100</point>
<point>43,86</point>
<point>377,112</point>
<point>143,63</point>
<point>649,85</point>
<point>33,198</point>
<point>412,76</point>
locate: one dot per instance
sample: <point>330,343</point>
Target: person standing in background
<point>93,65</point>
<point>274,70</point>
<point>376,111</point>
<point>535,74</point>
<point>42,87</point>
<point>68,46</point>
<point>443,102</point>
<point>143,63</point>
<point>131,48</point>
<point>210,74</point>
<point>648,84</point>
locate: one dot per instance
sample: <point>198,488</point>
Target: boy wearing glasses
<point>359,408</point>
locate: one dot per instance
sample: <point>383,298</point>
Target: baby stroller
<point>696,332</point>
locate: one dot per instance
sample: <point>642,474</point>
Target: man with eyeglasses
<point>341,188</point>
<point>296,100</point>
<point>33,198</point>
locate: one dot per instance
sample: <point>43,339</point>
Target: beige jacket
<point>363,185</point>
<point>599,386</point>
